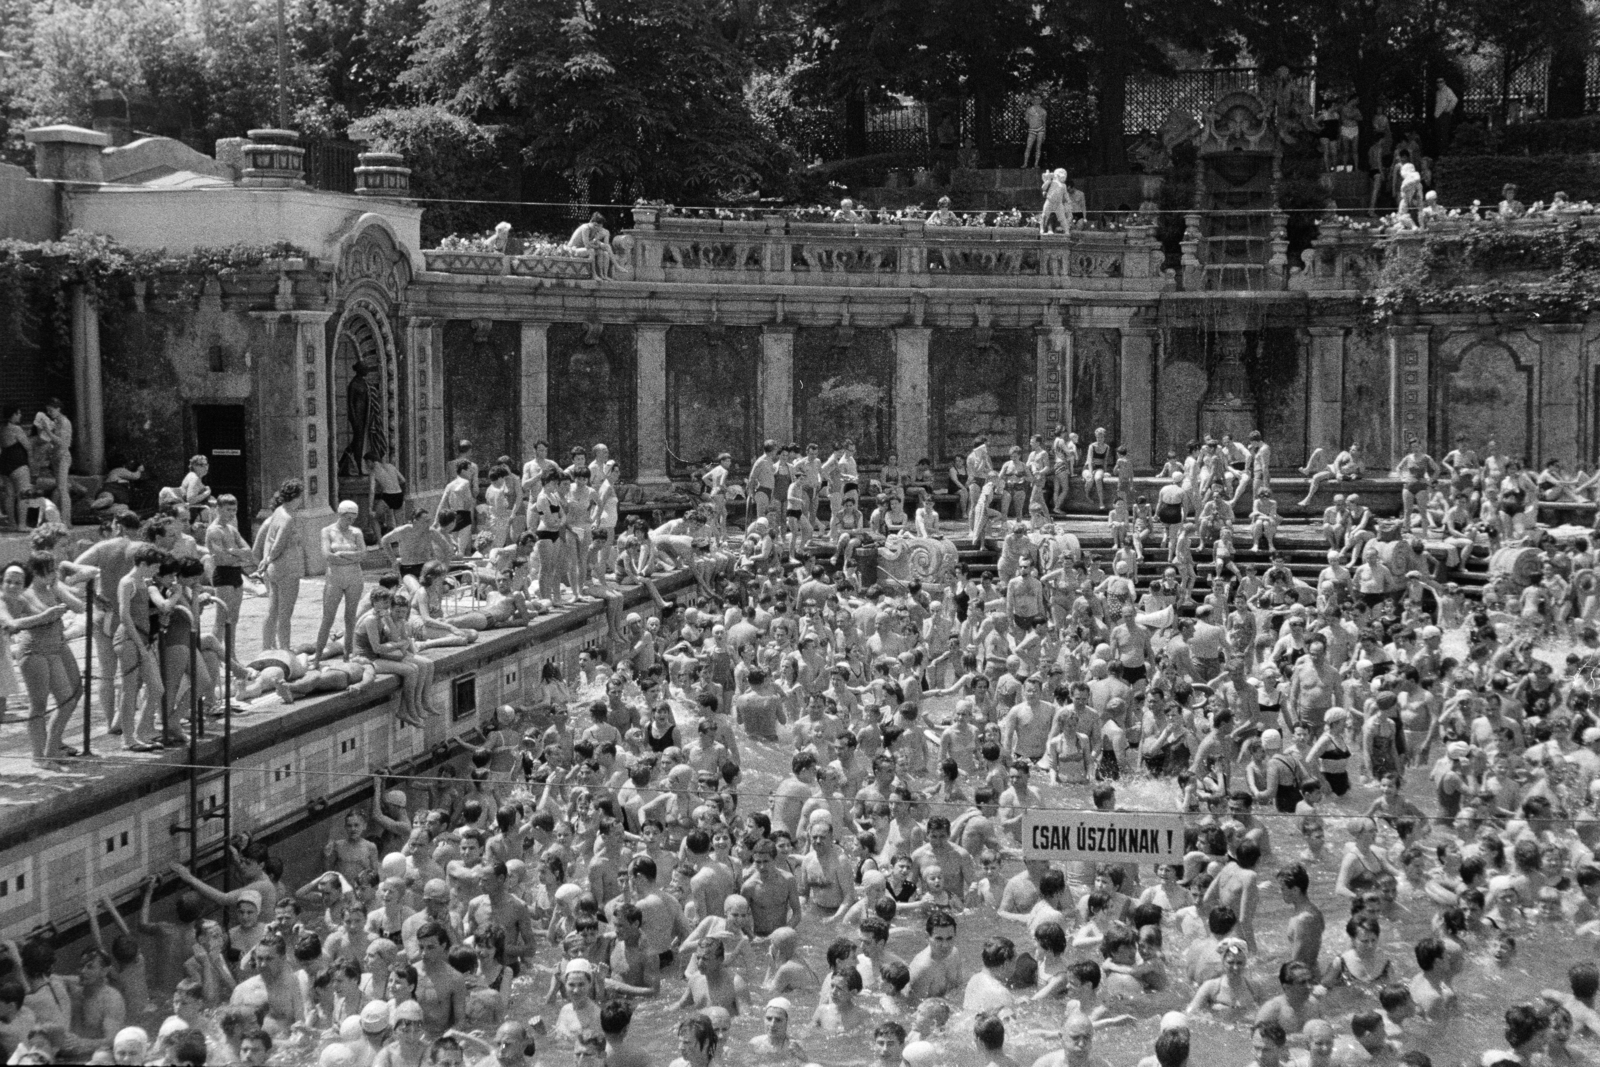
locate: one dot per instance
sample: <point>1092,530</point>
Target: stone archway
<point>365,377</point>
<point>1486,391</point>
<point>367,380</point>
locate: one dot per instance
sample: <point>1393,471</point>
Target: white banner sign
<point>1103,836</point>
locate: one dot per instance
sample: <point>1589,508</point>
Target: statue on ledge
<point>364,435</point>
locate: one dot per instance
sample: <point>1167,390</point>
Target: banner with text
<point>1103,836</point>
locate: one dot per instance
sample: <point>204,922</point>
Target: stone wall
<point>844,387</point>
<point>481,367</point>
<point>712,376</point>
<point>160,362</point>
<point>593,390</point>
<point>1096,382</point>
<point>980,381</point>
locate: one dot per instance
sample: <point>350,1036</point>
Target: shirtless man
<point>773,895</point>
<point>98,1010</point>
<point>825,873</point>
<point>635,971</point>
<point>353,853</point>
<point>952,859</point>
<point>1416,470</point>
<point>328,678</point>
<point>1026,729</point>
<point>460,500</point>
<point>506,910</point>
<point>1346,467</point>
<point>1077,1046</point>
<point>1025,595</point>
<point>936,970</point>
<point>273,986</point>
<point>441,990</point>
<point>1235,886</point>
<point>713,986</point>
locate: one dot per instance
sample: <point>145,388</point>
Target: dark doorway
<point>219,436</point>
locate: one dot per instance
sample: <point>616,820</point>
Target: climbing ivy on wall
<point>39,275</point>
<point>1451,271</point>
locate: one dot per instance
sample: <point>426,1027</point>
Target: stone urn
<point>382,174</point>
<point>274,159</point>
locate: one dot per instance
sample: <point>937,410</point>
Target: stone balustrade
<point>894,255</point>
<point>1339,259</point>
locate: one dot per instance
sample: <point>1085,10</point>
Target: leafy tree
<point>934,50</point>
<point>451,158</point>
<point>1518,31</point>
<point>356,51</point>
<point>1111,40</point>
<point>646,97</point>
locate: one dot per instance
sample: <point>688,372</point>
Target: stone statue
<point>364,435</point>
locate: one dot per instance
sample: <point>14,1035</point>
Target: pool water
<point>1485,989</point>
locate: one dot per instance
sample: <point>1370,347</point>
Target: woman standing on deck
<point>32,604</point>
<point>283,563</point>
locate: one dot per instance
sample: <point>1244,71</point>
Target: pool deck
<point>34,800</point>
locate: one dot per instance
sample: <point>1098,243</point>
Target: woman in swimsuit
<point>1361,864</point>
<point>548,524</point>
<point>16,477</point>
<point>1330,753</point>
<point>1516,490</point>
<point>1233,993</point>
<point>1096,467</point>
<point>32,604</point>
<point>661,732</point>
<point>1361,967</point>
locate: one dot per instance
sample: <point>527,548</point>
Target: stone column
<point>1408,387</point>
<point>651,390</point>
<point>88,415</point>
<point>423,461</point>
<point>535,424</point>
<point>1137,371</point>
<point>1558,423</point>
<point>911,393</point>
<point>775,383</point>
<point>1052,402</point>
<point>1325,374</point>
<point>304,422</point>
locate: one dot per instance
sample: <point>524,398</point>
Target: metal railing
<point>331,164</point>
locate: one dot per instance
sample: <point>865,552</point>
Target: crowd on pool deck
<point>604,851</point>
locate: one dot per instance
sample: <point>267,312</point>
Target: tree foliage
<point>451,158</point>
<point>630,99</point>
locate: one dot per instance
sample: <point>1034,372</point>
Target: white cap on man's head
<point>349,507</point>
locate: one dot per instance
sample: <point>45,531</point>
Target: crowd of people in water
<point>1366,746</point>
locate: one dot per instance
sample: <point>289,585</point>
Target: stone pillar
<point>306,423</point>
<point>911,393</point>
<point>425,450</point>
<point>775,383</point>
<point>535,425</point>
<point>1558,424</point>
<point>1325,384</point>
<point>88,422</point>
<point>1137,373</point>
<point>1052,404</point>
<point>67,154</point>
<point>651,390</point>
<point>1408,387</point>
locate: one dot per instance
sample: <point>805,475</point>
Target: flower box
<point>462,262</point>
<point>558,268</point>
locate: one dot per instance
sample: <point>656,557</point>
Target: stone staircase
<point>1302,546</point>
